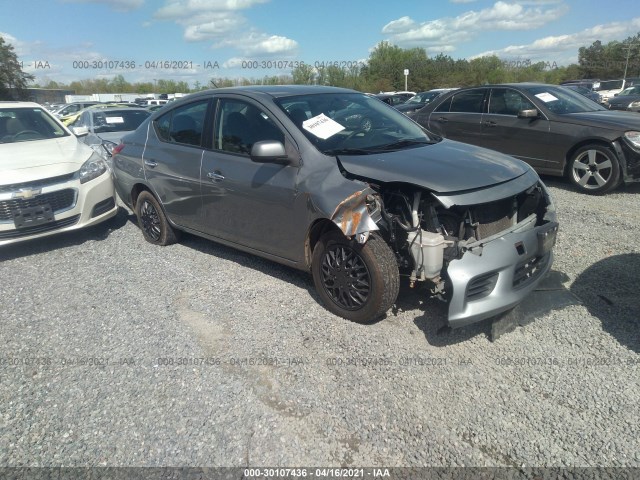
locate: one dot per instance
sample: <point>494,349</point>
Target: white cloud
<point>221,23</point>
<point>563,48</point>
<point>212,25</point>
<point>174,10</point>
<point>20,48</point>
<point>118,5</point>
<point>442,34</point>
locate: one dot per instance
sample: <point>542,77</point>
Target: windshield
<point>563,100</point>
<point>423,97</point>
<point>28,124</point>
<point>609,85</point>
<point>630,91</point>
<point>118,120</point>
<point>352,123</point>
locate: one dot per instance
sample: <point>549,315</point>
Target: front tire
<point>594,169</point>
<point>356,282</point>
<point>153,222</point>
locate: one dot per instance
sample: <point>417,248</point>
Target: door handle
<point>150,163</point>
<point>442,120</point>
<point>216,177</point>
<point>489,123</point>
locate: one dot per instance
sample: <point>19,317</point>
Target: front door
<point>245,202</point>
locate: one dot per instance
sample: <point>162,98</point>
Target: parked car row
<point>555,130</point>
<point>50,181</point>
<point>333,182</point>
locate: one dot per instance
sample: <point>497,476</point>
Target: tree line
<point>383,71</point>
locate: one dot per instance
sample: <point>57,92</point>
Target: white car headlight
<point>92,168</point>
<point>633,137</point>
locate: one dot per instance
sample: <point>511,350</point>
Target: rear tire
<point>594,169</point>
<point>153,222</point>
<point>356,282</point>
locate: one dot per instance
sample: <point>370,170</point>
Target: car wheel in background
<point>357,282</point>
<point>594,169</point>
<point>153,222</point>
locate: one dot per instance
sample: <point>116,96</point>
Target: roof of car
<point>276,90</point>
<point>11,103</point>
<point>118,109</point>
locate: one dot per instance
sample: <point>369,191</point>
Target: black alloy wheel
<point>359,282</point>
<point>153,222</point>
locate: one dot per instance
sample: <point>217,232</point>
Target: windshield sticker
<point>322,126</point>
<point>546,97</point>
<point>115,120</point>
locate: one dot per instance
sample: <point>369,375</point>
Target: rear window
<point>118,120</point>
<point>28,124</point>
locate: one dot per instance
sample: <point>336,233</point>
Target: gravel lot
<point>115,352</point>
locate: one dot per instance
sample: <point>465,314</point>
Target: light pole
<point>626,64</point>
<point>406,76</point>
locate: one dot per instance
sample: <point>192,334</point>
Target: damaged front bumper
<point>497,274</point>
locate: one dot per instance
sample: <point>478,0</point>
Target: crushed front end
<point>482,251</point>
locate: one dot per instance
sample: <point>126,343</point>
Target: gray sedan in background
<point>269,170</point>
<point>555,130</point>
<point>103,128</point>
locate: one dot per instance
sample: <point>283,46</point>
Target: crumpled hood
<point>443,167</point>
<point>37,159</point>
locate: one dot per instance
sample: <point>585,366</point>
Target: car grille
<point>481,286</point>
<point>528,270</point>
<point>45,182</point>
<point>59,200</point>
<point>494,218</point>
<point>47,227</point>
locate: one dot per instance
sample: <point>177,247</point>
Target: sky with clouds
<point>66,40</point>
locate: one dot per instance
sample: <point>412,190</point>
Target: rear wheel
<point>594,169</point>
<point>357,282</point>
<point>153,222</point>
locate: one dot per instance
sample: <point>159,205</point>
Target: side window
<point>505,101</point>
<point>184,124</point>
<point>468,102</point>
<point>163,124</point>
<point>240,124</point>
<point>81,121</point>
<point>444,106</point>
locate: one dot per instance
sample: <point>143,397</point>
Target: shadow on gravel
<point>290,275</point>
<point>550,295</point>
<point>609,290</point>
<point>98,232</point>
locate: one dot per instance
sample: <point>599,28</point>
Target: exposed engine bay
<point>426,236</point>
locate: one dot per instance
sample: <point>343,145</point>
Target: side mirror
<point>269,151</point>
<point>533,113</point>
<point>80,131</point>
<point>616,94</point>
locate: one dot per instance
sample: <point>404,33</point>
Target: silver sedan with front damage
<point>272,171</point>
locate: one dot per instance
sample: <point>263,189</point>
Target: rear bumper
<point>508,269</point>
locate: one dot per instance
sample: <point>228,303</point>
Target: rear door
<point>172,160</point>
<point>460,117</point>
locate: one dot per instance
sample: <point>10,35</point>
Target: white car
<point>49,181</point>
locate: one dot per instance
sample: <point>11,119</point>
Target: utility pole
<point>626,65</point>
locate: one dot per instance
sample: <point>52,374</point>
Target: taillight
<point>117,149</point>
